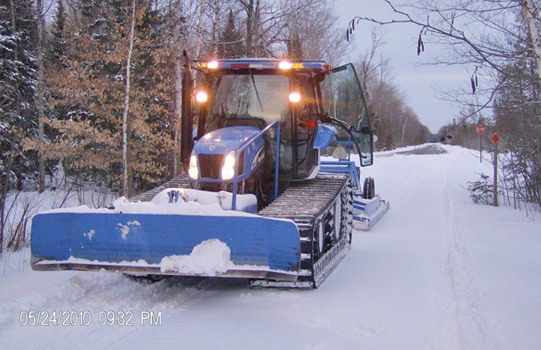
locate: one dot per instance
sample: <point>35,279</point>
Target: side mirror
<point>365,130</point>
<point>364,127</point>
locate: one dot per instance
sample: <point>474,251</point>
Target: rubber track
<point>307,203</point>
<point>180,181</point>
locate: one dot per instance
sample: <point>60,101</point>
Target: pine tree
<point>18,83</point>
<point>231,45</point>
<point>58,46</point>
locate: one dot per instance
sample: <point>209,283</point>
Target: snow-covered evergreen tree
<point>18,83</point>
<point>57,45</point>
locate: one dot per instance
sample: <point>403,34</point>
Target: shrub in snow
<point>482,190</point>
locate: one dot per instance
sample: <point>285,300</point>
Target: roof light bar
<point>262,64</point>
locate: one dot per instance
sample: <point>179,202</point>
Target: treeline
<point>97,84</point>
<point>464,133</point>
<point>394,123</point>
<point>93,86</point>
<point>500,44</point>
<point>516,120</point>
<point>68,93</point>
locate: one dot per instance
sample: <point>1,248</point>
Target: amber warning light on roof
<point>262,64</point>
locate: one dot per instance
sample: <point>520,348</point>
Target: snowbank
<point>188,202</point>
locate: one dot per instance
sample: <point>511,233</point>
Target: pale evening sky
<point>421,84</point>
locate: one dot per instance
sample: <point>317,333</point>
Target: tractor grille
<point>210,165</point>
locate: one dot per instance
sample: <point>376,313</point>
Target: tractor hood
<point>223,141</point>
<point>242,141</point>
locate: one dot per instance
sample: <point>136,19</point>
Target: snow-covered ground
<point>437,272</point>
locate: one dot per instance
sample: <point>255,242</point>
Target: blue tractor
<point>255,199</point>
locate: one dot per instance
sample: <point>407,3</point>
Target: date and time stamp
<point>43,318</point>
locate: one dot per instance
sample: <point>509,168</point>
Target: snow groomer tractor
<point>256,200</point>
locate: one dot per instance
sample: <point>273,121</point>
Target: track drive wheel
<point>369,188</point>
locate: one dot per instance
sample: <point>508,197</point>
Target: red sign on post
<point>481,129</point>
<point>495,138</point>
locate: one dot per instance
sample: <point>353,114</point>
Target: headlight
<point>193,171</point>
<point>228,170</point>
<point>295,97</point>
<point>201,96</point>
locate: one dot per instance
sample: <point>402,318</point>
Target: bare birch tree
<point>40,98</point>
<point>125,121</point>
<point>500,41</point>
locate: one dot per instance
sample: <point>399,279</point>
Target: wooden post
<point>496,174</point>
<point>480,148</point>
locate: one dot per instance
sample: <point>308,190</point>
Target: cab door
<point>343,101</point>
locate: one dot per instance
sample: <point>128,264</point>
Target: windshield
<point>254,95</point>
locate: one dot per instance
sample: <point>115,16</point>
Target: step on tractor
<point>255,199</point>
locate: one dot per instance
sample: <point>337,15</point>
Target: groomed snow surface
<point>437,272</point>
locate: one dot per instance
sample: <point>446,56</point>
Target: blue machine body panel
<point>325,136</point>
<point>230,139</point>
<point>116,238</point>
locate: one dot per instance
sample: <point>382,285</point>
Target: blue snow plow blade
<point>137,243</point>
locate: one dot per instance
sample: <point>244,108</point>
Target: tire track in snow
<point>472,332</point>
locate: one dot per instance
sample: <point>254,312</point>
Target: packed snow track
<point>437,272</point>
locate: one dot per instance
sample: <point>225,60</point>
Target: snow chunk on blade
<point>177,201</point>
<point>208,258</point>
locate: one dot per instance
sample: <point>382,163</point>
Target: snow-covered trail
<point>457,256</point>
<point>437,272</point>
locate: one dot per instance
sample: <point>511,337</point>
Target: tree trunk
<point>4,183</point>
<point>177,50</point>
<point>404,132</point>
<point>199,30</point>
<point>528,14</point>
<point>125,149</point>
<point>9,156</point>
<point>41,102</point>
<point>178,113</point>
<point>250,19</point>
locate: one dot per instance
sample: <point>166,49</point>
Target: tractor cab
<point>257,93</point>
<point>236,100</point>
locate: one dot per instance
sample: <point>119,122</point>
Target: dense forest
<point>67,92</point>
<point>91,89</point>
